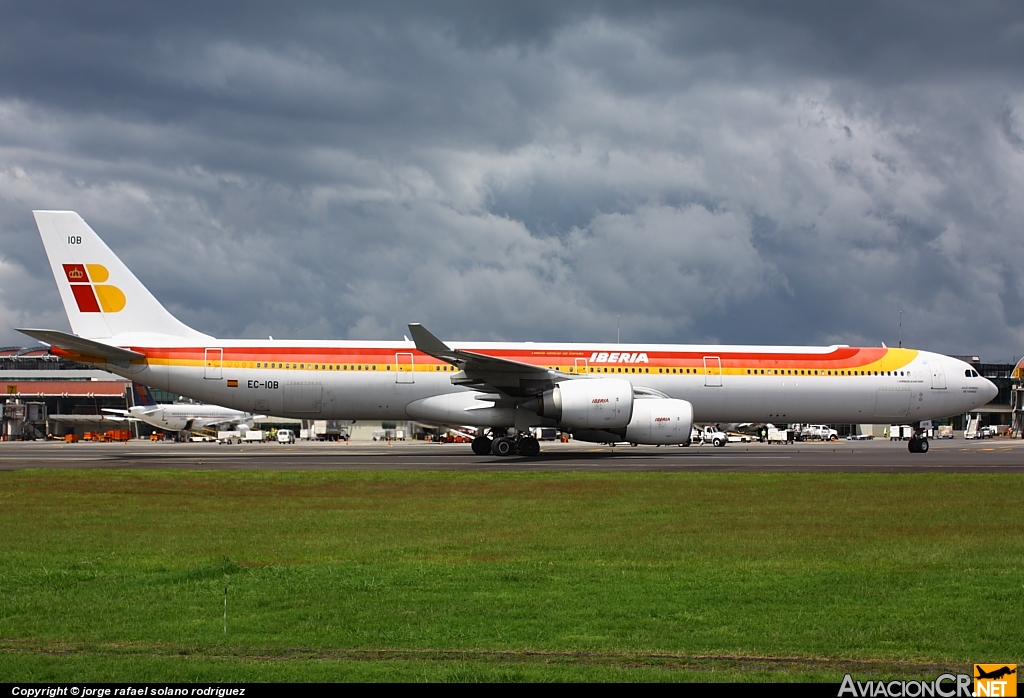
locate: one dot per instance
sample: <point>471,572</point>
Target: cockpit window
<point>968,373</point>
<point>971,373</point>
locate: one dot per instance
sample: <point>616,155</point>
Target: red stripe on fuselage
<point>842,357</point>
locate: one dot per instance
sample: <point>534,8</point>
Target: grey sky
<point>528,171</point>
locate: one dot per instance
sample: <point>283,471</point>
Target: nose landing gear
<point>919,441</point>
<point>918,445</point>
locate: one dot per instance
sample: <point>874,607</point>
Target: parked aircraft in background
<point>182,416</point>
<point>641,393</point>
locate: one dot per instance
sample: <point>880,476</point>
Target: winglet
<point>427,342</point>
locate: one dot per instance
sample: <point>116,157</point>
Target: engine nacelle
<point>656,421</point>
<point>598,403</point>
<point>660,421</point>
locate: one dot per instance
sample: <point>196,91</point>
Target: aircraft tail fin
<point>141,397</point>
<point>101,296</point>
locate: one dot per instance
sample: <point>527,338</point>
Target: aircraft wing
<point>87,350</point>
<point>483,372</point>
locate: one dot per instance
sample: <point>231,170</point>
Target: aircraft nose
<point>989,391</point>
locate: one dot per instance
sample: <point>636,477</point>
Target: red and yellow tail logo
<point>91,294</point>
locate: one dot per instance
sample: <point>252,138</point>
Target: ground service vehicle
<point>820,432</point>
<point>710,434</point>
<point>639,393</point>
<point>285,436</point>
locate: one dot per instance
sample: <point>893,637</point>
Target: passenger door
<point>213,363</point>
<point>713,371</point>
<point>404,368</point>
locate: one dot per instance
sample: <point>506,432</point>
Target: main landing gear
<point>919,441</point>
<point>481,446</point>
<point>521,444</point>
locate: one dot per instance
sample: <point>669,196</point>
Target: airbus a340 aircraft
<point>642,393</point>
<point>181,416</point>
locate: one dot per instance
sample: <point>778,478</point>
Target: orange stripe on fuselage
<point>841,358</point>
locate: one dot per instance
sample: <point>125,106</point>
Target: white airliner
<point>182,416</point>
<point>641,393</point>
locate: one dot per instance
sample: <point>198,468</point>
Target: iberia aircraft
<point>641,393</point>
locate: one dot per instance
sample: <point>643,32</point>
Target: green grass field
<point>120,575</point>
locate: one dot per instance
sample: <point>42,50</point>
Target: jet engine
<point>599,403</point>
<point>655,421</point>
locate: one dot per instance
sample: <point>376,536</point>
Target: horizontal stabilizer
<point>85,348</point>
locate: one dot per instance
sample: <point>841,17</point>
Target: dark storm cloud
<point>743,172</point>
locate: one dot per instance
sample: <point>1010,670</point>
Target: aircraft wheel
<point>503,446</point>
<point>914,445</point>
<point>529,447</point>
<point>481,446</point>
<point>922,446</point>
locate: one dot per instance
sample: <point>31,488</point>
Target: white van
<point>285,436</point>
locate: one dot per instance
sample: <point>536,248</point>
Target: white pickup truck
<point>710,434</point>
<point>819,432</point>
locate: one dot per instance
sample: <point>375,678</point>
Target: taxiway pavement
<point>989,456</point>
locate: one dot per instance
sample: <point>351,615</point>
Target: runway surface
<point>988,456</point>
